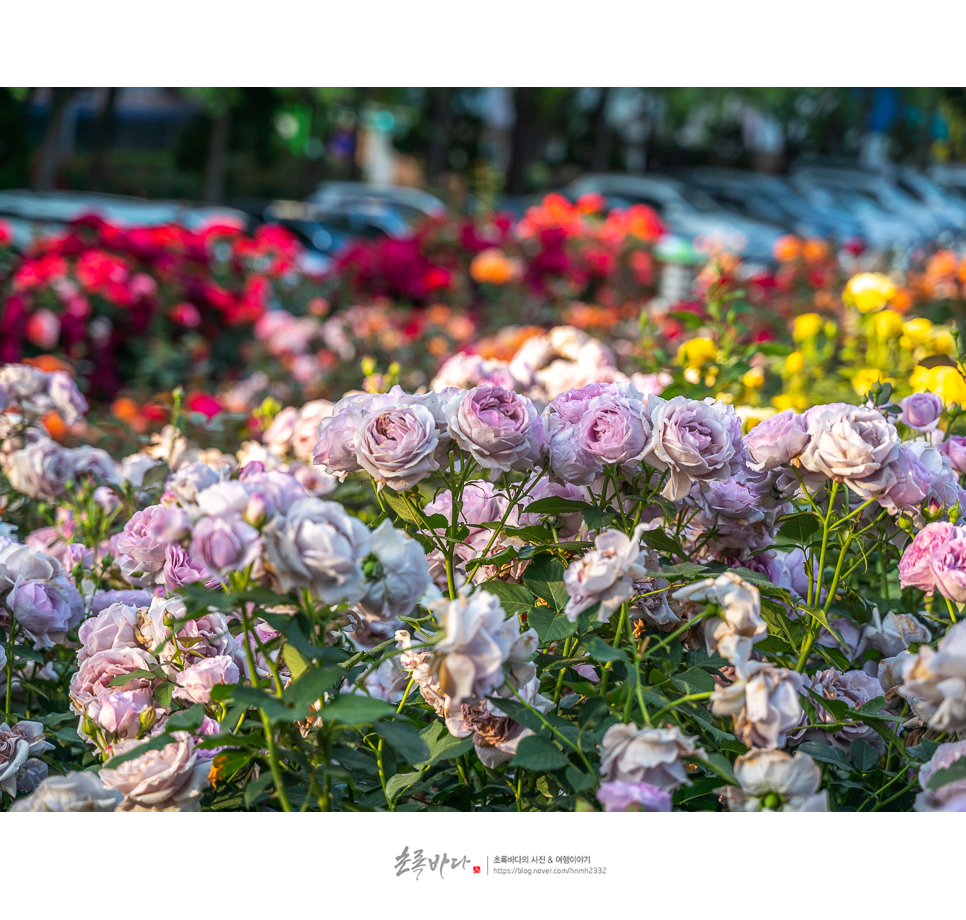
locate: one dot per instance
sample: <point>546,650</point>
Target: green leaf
<point>923,751</point>
<point>295,660</point>
<point>863,755</point>
<point>948,775</point>
<point>826,753</point>
<point>442,745</point>
<point>154,744</point>
<point>799,527</point>
<point>514,598</point>
<point>544,577</point>
<point>599,650</point>
<point>136,674</point>
<point>552,506</point>
<point>162,694</point>
<point>399,782</point>
<point>404,740</point>
<point>685,571</point>
<point>659,540</point>
<point>578,780</point>
<point>273,707</point>
<point>256,788</point>
<point>550,626</point>
<point>187,720</point>
<point>356,709</point>
<point>536,753</point>
<point>309,688</point>
<point>596,519</point>
<point>155,475</point>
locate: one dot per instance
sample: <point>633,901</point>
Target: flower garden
<point>479,520</point>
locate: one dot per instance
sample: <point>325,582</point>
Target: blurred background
<point>293,243</point>
<point>873,166</point>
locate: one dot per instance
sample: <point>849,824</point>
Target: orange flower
<point>437,346</point>
<point>903,300</point>
<point>942,264</point>
<point>491,266</point>
<point>55,425</point>
<point>591,203</point>
<point>437,314</point>
<point>49,363</point>
<point>126,410</point>
<point>814,250</point>
<point>787,248</point>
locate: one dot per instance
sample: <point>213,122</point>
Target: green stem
<point>273,762</point>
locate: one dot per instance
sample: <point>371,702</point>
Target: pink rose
<point>113,627</point>
<point>147,535</point>
<point>195,682</point>
<point>915,566</point>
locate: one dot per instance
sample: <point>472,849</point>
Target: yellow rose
<point>868,291</point>
<point>918,331</point>
<point>806,326</point>
<point>942,342</point>
<point>697,352</point>
<point>753,378</point>
<point>863,381</point>
<point>888,324</point>
<point>785,401</point>
<point>945,381</point>
<point>795,362</point>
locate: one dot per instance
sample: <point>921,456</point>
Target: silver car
<point>688,212</point>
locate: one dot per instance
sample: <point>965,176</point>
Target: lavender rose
<point>317,545</point>
<point>39,470</point>
<point>499,428</point>
<point>614,430</point>
<point>694,441</point>
<point>167,780</point>
<point>606,574</point>
<point>399,578</point>
<point>78,792</point>
<point>225,544</point>
<point>851,444</point>
<point>921,411</point>
<point>954,447</point>
<point>398,446</point>
<point>18,745</point>
<point>620,795</point>
<point>147,535</point>
<point>647,755</point>
<point>776,441</point>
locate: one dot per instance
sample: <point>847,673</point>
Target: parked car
<point>734,192</point>
<point>882,229</point>
<point>688,212</point>
<point>410,204</point>
<point>886,194</point>
<point>33,213</point>
<point>950,207</point>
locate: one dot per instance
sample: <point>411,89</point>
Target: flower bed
<point>556,545</point>
<point>588,597</point>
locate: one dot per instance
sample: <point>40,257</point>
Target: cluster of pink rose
<point>505,531</point>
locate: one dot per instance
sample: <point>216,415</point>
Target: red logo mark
<point>476,870</point>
